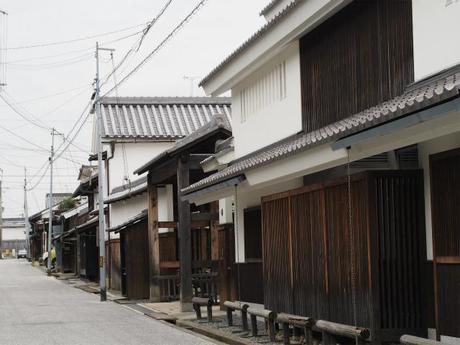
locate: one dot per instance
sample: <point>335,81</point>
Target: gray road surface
<point>36,309</point>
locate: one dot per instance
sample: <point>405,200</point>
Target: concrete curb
<point>212,333</point>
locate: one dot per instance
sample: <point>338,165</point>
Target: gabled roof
<point>265,29</point>
<point>269,6</point>
<point>158,118</point>
<point>424,94</point>
<point>86,185</point>
<point>218,124</point>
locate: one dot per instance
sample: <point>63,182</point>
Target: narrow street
<point>36,309</point>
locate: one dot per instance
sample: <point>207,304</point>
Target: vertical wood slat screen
<point>276,252</point>
<point>306,234</point>
<point>445,181</point>
<point>359,58</point>
<point>400,246</point>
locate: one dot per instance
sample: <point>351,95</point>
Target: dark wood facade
<point>308,246</point>
<point>445,180</point>
<point>359,58</point>
<point>114,264</point>
<point>135,261</point>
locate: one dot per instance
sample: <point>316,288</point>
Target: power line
<point>22,138</point>
<point>136,46</point>
<point>85,38</point>
<point>159,46</point>
<point>50,95</point>
<point>13,107</point>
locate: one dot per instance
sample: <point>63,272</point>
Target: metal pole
<point>102,271</point>
<point>1,218</point>
<point>26,214</point>
<point>50,201</point>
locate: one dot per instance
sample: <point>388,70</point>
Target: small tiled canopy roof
<point>158,118</point>
<point>217,126</point>
<point>424,94</point>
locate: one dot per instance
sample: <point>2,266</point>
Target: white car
<point>22,253</point>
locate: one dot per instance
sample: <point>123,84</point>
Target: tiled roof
<point>251,40</point>
<point>127,191</point>
<point>269,6</point>
<point>136,219</point>
<point>159,118</point>
<point>421,95</point>
<point>218,124</point>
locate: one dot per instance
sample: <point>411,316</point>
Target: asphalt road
<point>36,309</point>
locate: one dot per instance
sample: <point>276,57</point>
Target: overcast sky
<point>53,83</point>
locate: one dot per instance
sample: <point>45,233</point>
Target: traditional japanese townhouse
<point>67,240</point>
<point>346,134</point>
<point>83,234</point>
<point>134,130</point>
<point>187,241</point>
<point>14,236</point>
<point>39,223</point>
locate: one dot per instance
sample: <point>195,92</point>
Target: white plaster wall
<point>247,197</point>
<point>122,211</point>
<point>426,149</point>
<point>9,234</point>
<point>276,121</point>
<point>137,154</point>
<point>435,25</point>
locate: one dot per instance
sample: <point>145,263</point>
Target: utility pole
<point>26,214</point>
<point>101,185</point>
<point>50,201</point>
<point>1,216</point>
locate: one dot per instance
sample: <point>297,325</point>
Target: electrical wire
<point>159,46</point>
<point>22,138</point>
<point>38,123</point>
<point>136,46</point>
<point>85,38</point>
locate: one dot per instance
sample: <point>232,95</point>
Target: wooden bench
<point>305,323</point>
<point>269,317</point>
<point>199,302</point>
<point>237,305</point>
<point>412,340</point>
<point>331,330</point>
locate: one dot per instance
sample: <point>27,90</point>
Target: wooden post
<point>230,317</point>
<point>244,319</point>
<point>254,325</point>
<point>286,334</point>
<point>184,232</point>
<point>154,243</point>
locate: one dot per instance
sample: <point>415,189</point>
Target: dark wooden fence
<point>307,252</point>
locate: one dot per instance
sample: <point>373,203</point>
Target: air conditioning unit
<point>226,211</point>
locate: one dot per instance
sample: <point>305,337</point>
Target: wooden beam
<point>184,232</point>
<point>448,260</point>
<point>170,264</point>
<point>163,172</point>
<point>154,243</point>
<point>167,225</point>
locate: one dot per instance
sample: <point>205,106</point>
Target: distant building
<point>13,236</point>
<point>57,198</point>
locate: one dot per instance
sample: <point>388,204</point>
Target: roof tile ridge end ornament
<point>264,28</point>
